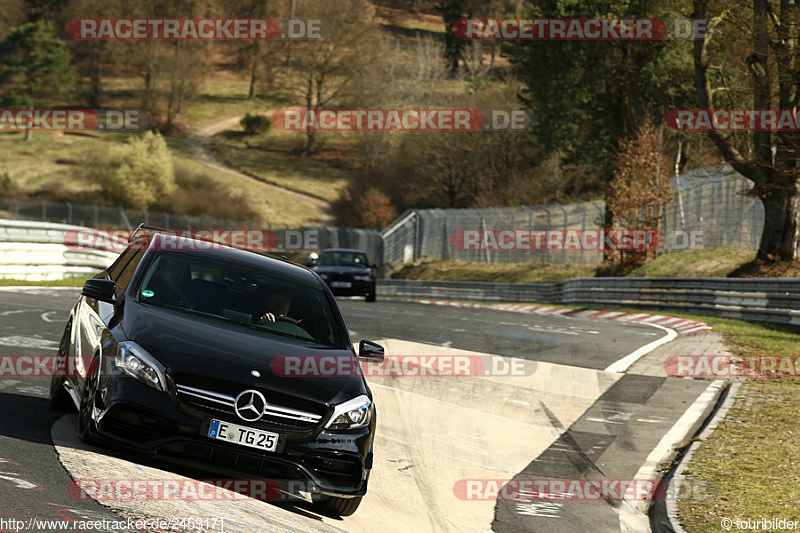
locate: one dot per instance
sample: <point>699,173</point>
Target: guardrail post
<point>44,210</point>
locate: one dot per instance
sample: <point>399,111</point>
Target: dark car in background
<point>173,351</point>
<point>347,272</point>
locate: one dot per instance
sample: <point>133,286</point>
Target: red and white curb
<point>682,326</point>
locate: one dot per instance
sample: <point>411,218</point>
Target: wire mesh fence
<point>111,217</point>
<point>286,239</point>
<point>710,209</point>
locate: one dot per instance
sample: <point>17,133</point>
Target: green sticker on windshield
<point>148,294</point>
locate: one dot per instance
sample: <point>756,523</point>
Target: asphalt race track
<point>566,420</point>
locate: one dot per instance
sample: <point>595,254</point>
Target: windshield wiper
<point>190,311</point>
<point>313,341</point>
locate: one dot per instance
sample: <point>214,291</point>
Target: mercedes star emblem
<point>250,405</point>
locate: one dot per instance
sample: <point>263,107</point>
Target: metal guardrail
<point>761,300</point>
<point>37,251</point>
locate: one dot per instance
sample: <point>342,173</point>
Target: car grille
<point>219,403</point>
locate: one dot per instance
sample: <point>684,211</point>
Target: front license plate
<point>253,438</point>
<point>341,284</point>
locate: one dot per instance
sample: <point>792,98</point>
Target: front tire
<point>59,398</point>
<point>335,506</point>
<point>370,297</point>
<point>85,422</point>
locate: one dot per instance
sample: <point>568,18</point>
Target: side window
<point>127,272</point>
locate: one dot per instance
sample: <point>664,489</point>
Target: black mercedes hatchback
<point>173,346</point>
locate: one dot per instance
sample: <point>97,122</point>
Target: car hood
<point>332,269</point>
<point>209,348</point>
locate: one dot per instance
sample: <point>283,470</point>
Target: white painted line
<point>625,363</point>
<point>19,483</point>
<point>677,479</point>
<point>20,341</point>
<point>46,316</point>
<point>541,509</point>
<point>632,513</point>
<point>17,311</point>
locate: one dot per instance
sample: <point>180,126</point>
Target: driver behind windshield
<point>277,305</point>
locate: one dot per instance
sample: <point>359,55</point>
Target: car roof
<point>249,258</point>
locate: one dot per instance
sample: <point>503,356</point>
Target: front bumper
<point>357,288</point>
<point>139,418</point>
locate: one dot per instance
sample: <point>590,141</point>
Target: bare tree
<point>767,158</point>
<point>327,66</point>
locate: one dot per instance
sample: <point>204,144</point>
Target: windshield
<point>343,259</point>
<point>240,296</point>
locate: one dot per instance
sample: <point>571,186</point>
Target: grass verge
<point>504,272</point>
<point>275,158</point>
<point>751,461</point>
<point>750,464</point>
<point>714,262</point>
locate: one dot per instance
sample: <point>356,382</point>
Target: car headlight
<point>352,414</point>
<point>366,277</point>
<point>134,361</point>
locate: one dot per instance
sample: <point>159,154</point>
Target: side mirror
<point>370,350</point>
<point>312,259</point>
<point>103,290</point>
